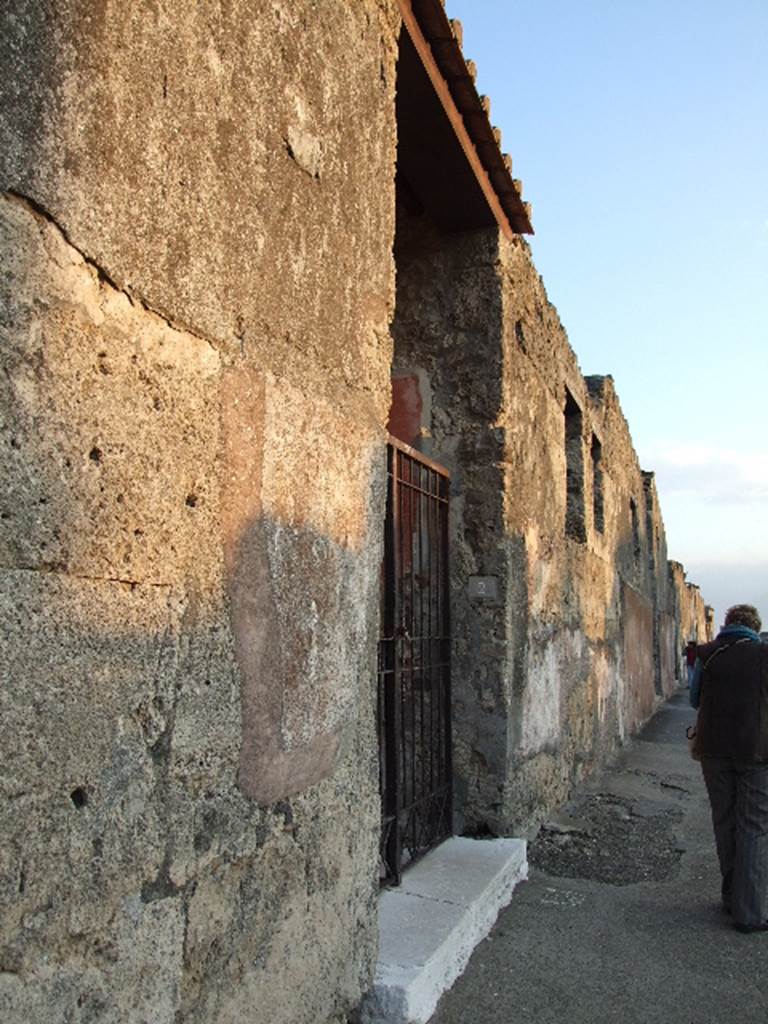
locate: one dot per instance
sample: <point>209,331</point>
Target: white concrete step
<point>429,925</point>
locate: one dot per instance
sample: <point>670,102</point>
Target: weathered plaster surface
<point>598,622</point>
<point>296,504</point>
<point>446,330</point>
<point>197,222</point>
<point>197,157</point>
<point>696,619</point>
<point>574,654</point>
<point>196,229</point>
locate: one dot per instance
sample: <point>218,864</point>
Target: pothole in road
<point>610,843</point>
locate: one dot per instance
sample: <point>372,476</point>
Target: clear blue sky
<point>640,131</point>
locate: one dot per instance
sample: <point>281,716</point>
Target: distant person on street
<point>730,689</point>
<point>690,660</point>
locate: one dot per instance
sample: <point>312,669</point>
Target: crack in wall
<point>61,570</point>
<point>41,214</point>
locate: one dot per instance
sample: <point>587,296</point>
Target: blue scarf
<point>736,632</point>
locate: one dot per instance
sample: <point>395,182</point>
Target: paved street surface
<point>620,921</point>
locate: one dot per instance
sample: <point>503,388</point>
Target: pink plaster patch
<point>405,413</point>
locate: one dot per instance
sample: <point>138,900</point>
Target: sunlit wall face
<point>668,294</point>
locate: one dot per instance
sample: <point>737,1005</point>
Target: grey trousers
<point>738,795</point>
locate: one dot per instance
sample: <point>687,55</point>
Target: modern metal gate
<point>414,705</point>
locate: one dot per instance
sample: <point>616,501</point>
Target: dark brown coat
<point>733,713</point>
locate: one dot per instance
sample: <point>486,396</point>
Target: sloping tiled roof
<point>439,43</point>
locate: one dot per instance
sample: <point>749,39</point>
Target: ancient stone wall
<point>197,219</point>
<point>196,226</point>
<point>696,618</point>
<point>446,333</point>
<point>574,642</point>
<point>591,625</point>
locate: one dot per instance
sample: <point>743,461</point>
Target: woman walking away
<point>730,689</point>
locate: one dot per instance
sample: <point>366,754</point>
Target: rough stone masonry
<point>200,224</point>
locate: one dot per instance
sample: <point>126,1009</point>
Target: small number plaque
<point>484,588</point>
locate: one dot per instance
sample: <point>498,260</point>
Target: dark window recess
<point>598,508</point>
<point>635,529</point>
<point>575,526</point>
<point>79,797</point>
<point>649,531</point>
<point>414,700</point>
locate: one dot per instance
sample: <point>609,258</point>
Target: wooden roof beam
<point>452,112</point>
<point>442,38</point>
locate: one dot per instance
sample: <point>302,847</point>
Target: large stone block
<point>108,419</point>
<point>224,165</point>
<point>168,577</point>
<point>87,693</point>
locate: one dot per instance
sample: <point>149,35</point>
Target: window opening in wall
<point>635,529</point>
<point>649,532</point>
<point>598,510</point>
<point>575,526</point>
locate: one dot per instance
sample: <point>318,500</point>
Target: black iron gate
<point>414,663</point>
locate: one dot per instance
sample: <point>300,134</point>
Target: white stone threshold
<point>430,925</point>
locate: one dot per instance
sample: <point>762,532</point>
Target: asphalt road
<point>620,920</point>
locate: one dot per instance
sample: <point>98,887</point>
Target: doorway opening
<point>414,690</point>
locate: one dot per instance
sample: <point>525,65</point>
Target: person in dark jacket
<point>730,688</point>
